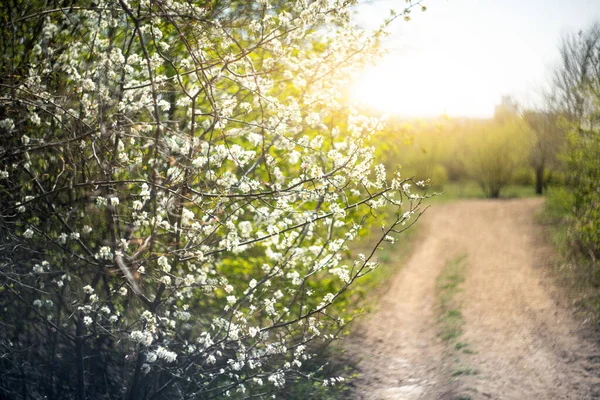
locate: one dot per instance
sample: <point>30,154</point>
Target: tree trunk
<point>539,180</point>
<point>80,385</point>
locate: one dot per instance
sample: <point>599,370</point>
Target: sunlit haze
<point>460,56</point>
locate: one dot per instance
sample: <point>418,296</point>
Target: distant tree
<point>418,146</point>
<point>576,80</point>
<point>494,151</point>
<point>548,140</point>
<point>507,110</point>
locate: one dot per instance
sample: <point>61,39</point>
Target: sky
<point>461,56</point>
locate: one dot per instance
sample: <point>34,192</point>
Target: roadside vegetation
<point>572,211</point>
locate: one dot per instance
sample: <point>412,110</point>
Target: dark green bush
<point>584,179</point>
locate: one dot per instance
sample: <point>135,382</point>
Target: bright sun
<point>420,87</point>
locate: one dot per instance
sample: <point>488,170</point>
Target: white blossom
<point>144,338</point>
<point>105,253</point>
<point>7,124</point>
<point>163,263</point>
<point>166,355</point>
<point>88,289</point>
<point>62,238</point>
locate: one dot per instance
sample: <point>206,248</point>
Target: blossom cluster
<point>180,179</point>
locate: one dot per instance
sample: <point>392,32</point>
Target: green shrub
<point>439,176</point>
<point>559,202</point>
<point>523,176</point>
<point>495,152</point>
<point>584,179</point>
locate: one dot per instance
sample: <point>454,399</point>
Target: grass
<point>453,191</point>
<point>465,371</point>
<point>464,347</point>
<point>559,202</point>
<point>460,345</point>
<point>450,318</point>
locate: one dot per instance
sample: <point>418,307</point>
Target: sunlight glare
<point>419,87</point>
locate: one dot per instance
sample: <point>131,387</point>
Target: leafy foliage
<point>577,97</point>
<point>584,176</point>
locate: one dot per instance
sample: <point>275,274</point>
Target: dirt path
<point>518,341</point>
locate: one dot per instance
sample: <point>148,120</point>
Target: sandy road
<point>522,340</point>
